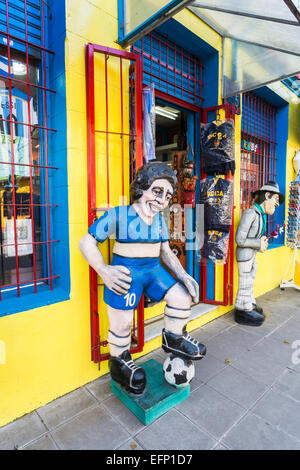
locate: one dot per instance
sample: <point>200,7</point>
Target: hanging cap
<point>272,187</point>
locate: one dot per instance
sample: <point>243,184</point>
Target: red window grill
<point>258,148</point>
<point>170,67</point>
<point>115,63</point>
<point>24,55</point>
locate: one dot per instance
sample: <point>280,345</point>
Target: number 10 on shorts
<point>130,299</point>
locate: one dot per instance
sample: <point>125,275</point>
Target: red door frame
<point>228,267</point>
<point>135,60</point>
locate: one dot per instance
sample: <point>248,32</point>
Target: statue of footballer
<point>141,241</point>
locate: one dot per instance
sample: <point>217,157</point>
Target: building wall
<point>48,348</point>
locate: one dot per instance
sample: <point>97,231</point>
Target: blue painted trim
<point>11,304</point>
<point>58,179</point>
<point>190,212</point>
<point>121,20</point>
<point>149,21</point>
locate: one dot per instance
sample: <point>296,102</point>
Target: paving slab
<point>131,444</point>
<point>208,367</point>
<point>255,433</point>
<point>238,387</point>
<point>43,443</point>
<point>290,331</point>
<point>211,411</point>
<point>20,432</point>
<point>173,431</point>
<point>276,349</point>
<point>100,388</point>
<point>211,329</point>
<point>259,366</point>
<point>289,384</point>
<point>231,344</point>
<point>281,411</point>
<point>94,429</point>
<point>66,407</point>
<point>121,413</point>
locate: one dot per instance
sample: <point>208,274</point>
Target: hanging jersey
<point>217,196</point>
<point>217,148</point>
<point>21,153</point>
<point>215,245</point>
<point>128,227</point>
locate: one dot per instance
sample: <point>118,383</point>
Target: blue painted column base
<point>158,398</point>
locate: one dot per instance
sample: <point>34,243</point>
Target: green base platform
<point>158,398</point>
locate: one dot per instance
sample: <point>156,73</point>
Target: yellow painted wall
<point>47,350</point>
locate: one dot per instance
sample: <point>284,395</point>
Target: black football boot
<point>126,373</point>
<point>183,346</point>
<point>250,318</point>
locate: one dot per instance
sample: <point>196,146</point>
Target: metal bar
<point>293,9</point>
<point>30,166</point>
<point>28,282</point>
<point>116,133</point>
<point>30,150</point>
<point>31,44</point>
<point>26,83</point>
<point>26,124</point>
<point>122,127</point>
<point>91,183</point>
<point>46,147</point>
<point>205,6</point>
<point>30,243</point>
<point>12,156</point>
<point>178,101</point>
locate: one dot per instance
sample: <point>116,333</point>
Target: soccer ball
<point>178,372</point>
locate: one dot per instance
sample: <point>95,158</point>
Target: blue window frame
<point>34,269</point>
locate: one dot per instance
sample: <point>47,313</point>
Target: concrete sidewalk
<point>245,395</point>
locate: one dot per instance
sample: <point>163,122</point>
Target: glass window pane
<point>139,11</point>
<point>247,66</point>
<point>257,31</point>
<point>269,8</point>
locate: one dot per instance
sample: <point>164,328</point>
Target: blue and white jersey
<point>127,227</point>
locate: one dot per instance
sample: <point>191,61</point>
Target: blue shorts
<point>148,277</point>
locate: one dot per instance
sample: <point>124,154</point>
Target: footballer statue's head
<point>153,187</point>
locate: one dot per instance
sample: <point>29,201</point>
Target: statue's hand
<point>192,286</point>
<point>116,278</point>
<point>263,244</point>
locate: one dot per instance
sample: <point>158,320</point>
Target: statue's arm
<point>241,237</point>
<point>172,262</point>
<point>116,278</point>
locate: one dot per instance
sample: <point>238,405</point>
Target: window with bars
<point>27,172</point>
<point>258,148</point>
<point>172,69</point>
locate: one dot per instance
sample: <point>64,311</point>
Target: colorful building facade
<point>71,129</point>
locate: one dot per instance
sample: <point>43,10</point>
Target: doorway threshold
<point>154,326</point>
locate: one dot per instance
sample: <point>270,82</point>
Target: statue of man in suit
<point>250,238</point>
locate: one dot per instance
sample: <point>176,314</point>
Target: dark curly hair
<point>149,173</point>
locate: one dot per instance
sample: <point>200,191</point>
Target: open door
<point>114,153</point>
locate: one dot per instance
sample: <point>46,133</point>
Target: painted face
<point>156,198</point>
<point>271,204</point>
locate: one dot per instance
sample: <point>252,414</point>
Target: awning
<point>261,40</point>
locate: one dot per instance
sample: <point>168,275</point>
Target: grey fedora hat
<point>272,187</point>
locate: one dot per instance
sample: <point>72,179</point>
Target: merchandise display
<point>293,236</point>
<point>216,194</point>
<point>293,224</point>
<point>217,147</point>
